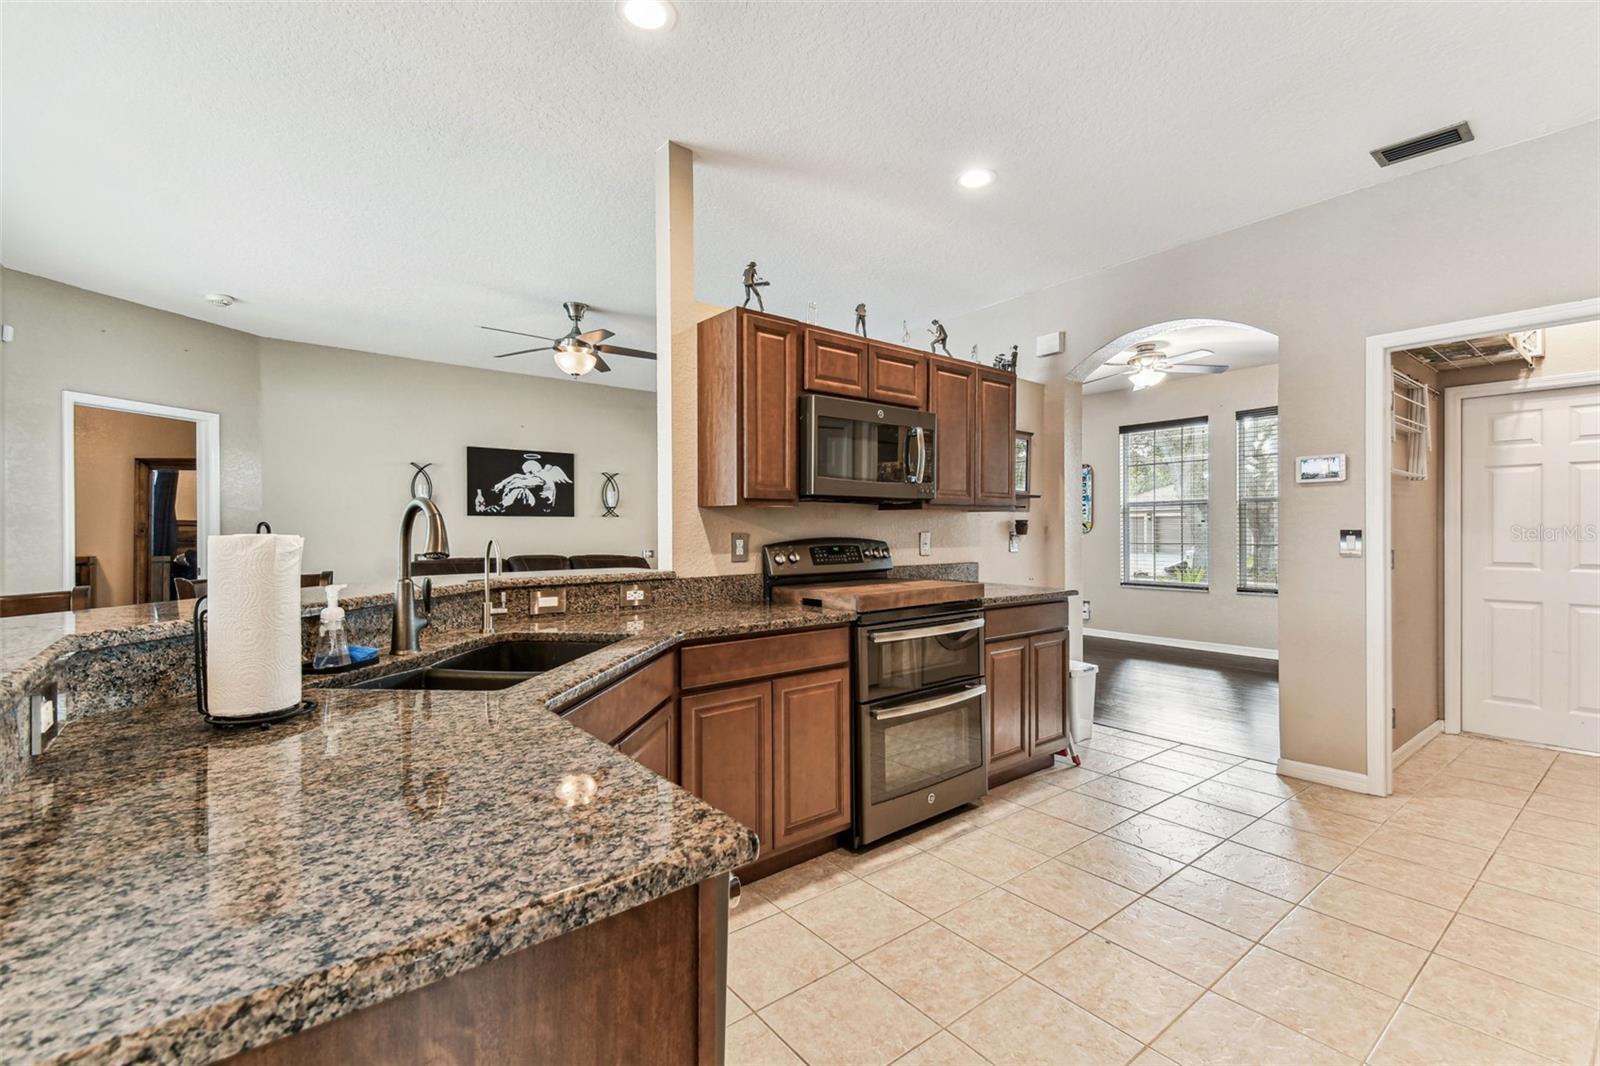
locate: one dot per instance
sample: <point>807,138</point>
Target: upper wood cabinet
<point>953,398</point>
<point>897,375</point>
<point>835,363</point>
<point>749,390</point>
<point>996,439</point>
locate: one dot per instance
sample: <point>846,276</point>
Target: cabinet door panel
<point>811,784</point>
<point>996,439</point>
<point>727,752</point>
<point>835,364</point>
<point>898,376</point>
<point>952,396</point>
<point>653,743</point>
<point>769,393</point>
<point>1047,654</point>
<point>1006,673</point>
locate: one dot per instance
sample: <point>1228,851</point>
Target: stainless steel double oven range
<point>920,707</point>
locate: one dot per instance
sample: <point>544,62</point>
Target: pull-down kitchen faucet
<point>408,621</point>
<point>489,609</point>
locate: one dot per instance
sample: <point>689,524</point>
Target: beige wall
<point>340,430</point>
<point>315,440</point>
<point>1221,615</point>
<point>1416,600</point>
<point>105,445</point>
<point>1515,228</point>
<point>71,339</point>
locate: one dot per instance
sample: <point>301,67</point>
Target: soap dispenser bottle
<point>333,647</point>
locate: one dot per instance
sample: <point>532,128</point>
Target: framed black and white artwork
<point>512,482</point>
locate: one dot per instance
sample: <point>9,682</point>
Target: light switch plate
<point>740,547</point>
<point>1350,543</point>
<point>925,543</point>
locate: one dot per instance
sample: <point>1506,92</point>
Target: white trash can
<point>1083,675</point>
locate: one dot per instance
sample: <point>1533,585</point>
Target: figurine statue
<point>861,319</point>
<point>905,333</point>
<point>976,358</point>
<point>753,284</point>
<point>940,338</point>
<point>1005,361</point>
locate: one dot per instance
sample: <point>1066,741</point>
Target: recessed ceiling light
<point>648,14</point>
<point>221,299</point>
<point>976,178</point>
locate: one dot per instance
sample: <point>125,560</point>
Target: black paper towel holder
<point>266,718</point>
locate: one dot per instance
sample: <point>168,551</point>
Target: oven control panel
<point>823,556</point>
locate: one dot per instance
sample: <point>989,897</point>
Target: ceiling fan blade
<point>519,333</point>
<point>525,351</point>
<point>595,336</point>
<point>1194,368</point>
<point>617,349</point>
<point>1198,353</point>
<point>601,365</point>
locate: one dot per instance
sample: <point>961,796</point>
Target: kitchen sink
<point>486,669</point>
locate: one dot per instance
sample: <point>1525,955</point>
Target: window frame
<point>1241,500</point>
<point>1184,504</point>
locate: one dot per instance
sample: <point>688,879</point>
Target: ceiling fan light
<point>1145,377</point>
<point>575,360</point>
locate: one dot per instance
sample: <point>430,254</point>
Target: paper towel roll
<point>253,623</point>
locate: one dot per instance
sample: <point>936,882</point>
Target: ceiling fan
<point>576,353</point>
<point>1149,365</point>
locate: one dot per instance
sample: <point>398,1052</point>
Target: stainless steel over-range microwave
<point>853,449</point>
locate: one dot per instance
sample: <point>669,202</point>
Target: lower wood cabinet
<point>773,753</point>
<point>1026,669</point>
<point>654,742</point>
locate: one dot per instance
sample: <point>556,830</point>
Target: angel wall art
<point>512,482</point>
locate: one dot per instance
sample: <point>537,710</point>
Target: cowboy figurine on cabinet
<point>940,338</point>
<point>861,319</point>
<point>753,283</point>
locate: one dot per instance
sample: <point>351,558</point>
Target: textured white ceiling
<point>1235,346</point>
<point>388,176</point>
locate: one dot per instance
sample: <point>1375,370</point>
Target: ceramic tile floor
<point>1165,903</point>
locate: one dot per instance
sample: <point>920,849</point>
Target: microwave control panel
<point>826,556</point>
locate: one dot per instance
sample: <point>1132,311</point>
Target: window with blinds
<point>1166,540</point>
<point>1258,499</point>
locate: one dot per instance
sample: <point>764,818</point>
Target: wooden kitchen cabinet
<point>898,376</point>
<point>953,399</point>
<point>727,752</point>
<point>995,450</point>
<point>653,743</point>
<point>1006,673</point>
<point>810,756</point>
<point>1026,669</point>
<point>835,363</point>
<point>748,391</point>
<point>766,736</point>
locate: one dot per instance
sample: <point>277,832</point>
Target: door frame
<point>207,469</point>
<point>1454,398</point>
<point>142,468</point>
<point>1379,637</point>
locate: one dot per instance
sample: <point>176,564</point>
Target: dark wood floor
<point>1224,702</point>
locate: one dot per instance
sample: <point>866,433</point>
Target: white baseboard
<point>1348,780</point>
<point>1192,645</point>
<point>1416,743</point>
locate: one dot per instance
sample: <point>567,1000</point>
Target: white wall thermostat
<point>1050,343</point>
<point>1316,469</point>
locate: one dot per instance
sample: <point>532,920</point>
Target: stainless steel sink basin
<point>491,667</point>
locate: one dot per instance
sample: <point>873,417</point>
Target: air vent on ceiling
<point>1460,133</point>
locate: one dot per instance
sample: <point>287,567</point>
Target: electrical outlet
<point>633,597</point>
<point>925,542</point>
<point>740,547</point>
<point>45,712</point>
<point>1088,613</point>
<point>547,601</point>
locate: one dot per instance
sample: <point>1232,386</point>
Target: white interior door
<point>1530,567</point>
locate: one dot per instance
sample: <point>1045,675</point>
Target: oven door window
<point>916,751</point>
<point>852,450</point>
<point>900,664</point>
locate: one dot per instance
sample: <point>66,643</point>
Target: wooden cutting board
<point>879,595</point>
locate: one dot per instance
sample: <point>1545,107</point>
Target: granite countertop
<point>174,892</point>
<point>1000,595</point>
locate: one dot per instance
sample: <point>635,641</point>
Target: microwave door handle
<point>922,453</point>
<point>937,703</point>
<point>893,636</point>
